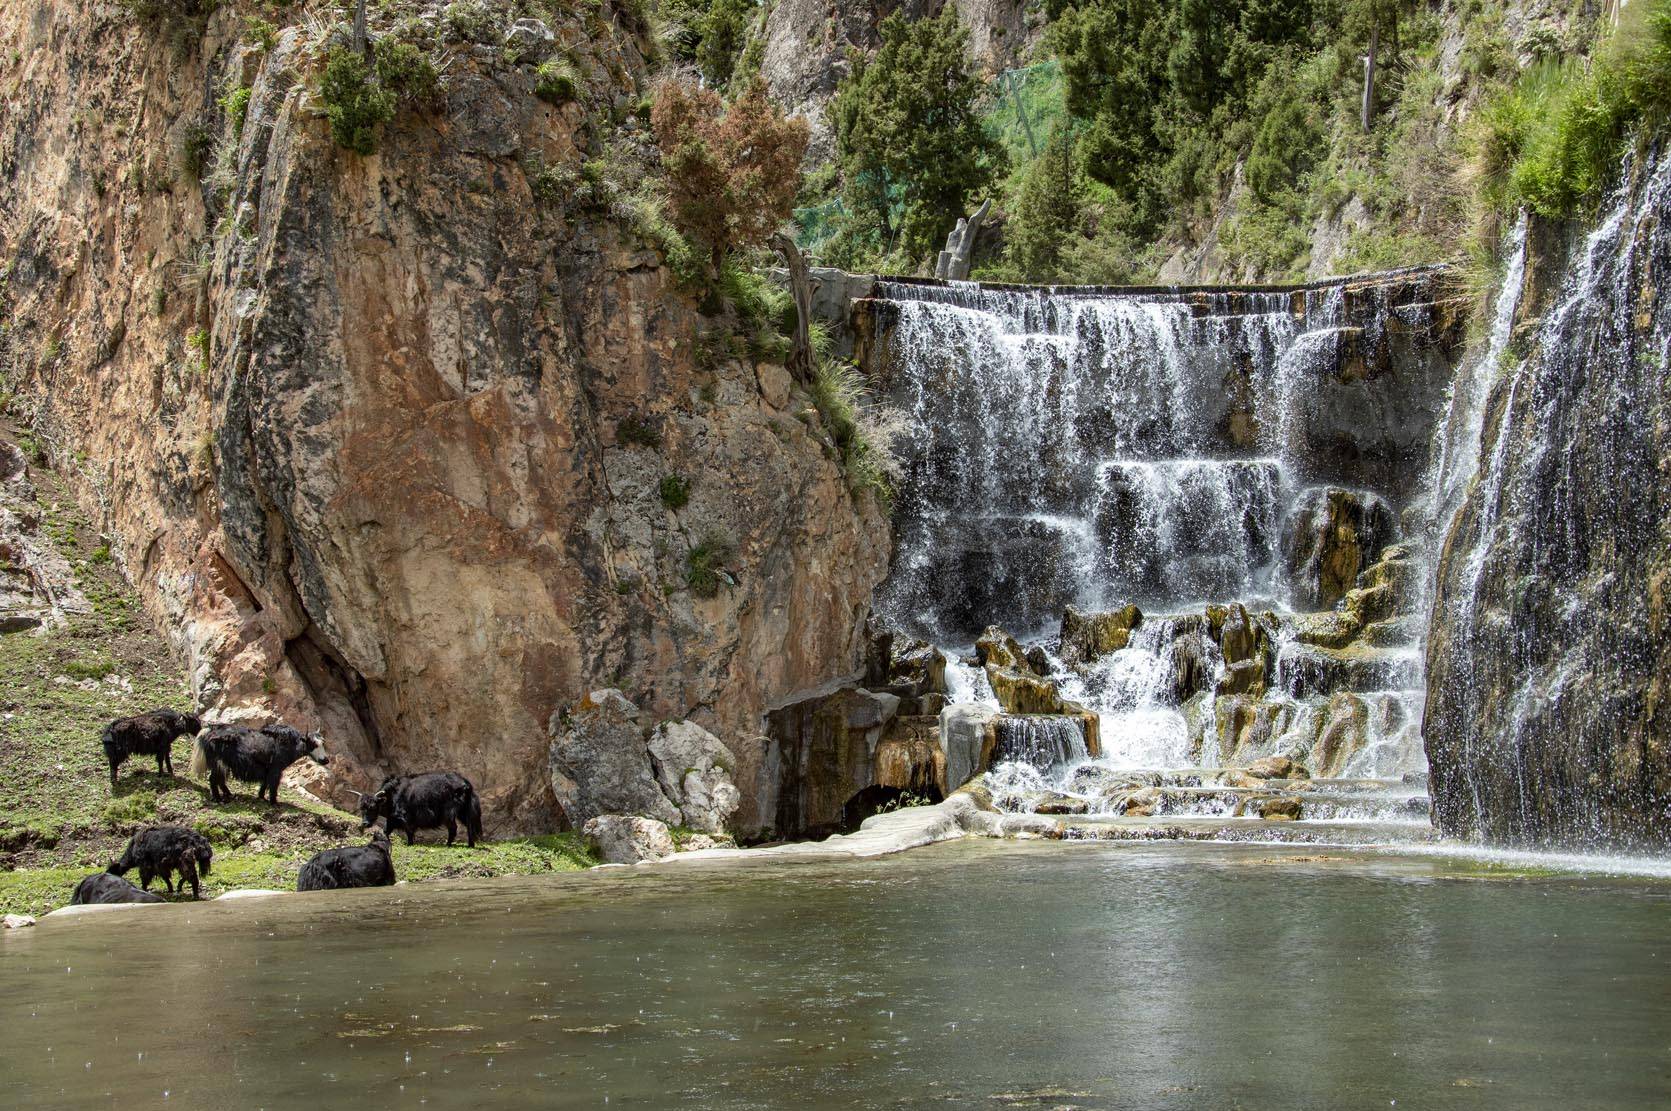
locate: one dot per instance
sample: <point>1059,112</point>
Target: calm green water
<point>968,975</point>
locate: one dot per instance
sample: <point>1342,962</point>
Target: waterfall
<point>1090,449</point>
<point>1039,741</point>
<point>1546,645</point>
<point>1096,448</point>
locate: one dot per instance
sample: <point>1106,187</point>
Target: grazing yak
<point>160,850</point>
<point>150,734</point>
<point>102,887</point>
<point>252,756</point>
<point>351,866</point>
<point>426,801</point>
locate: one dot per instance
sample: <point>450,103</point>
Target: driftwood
<point>800,288</point>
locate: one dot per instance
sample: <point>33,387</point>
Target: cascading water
<point>1546,657</point>
<point>1092,449</point>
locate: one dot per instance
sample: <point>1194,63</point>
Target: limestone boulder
<point>606,758</point>
<point>627,838</point>
<point>1276,767</point>
<point>600,763</point>
<point>1279,809</point>
<point>967,738</point>
<point>694,770</point>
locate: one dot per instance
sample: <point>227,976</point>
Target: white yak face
<point>317,752</point>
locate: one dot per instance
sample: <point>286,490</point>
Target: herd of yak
<point>259,756</point>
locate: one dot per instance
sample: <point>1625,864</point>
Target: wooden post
<point>800,288</point>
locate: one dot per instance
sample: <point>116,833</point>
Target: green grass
<point>59,819</point>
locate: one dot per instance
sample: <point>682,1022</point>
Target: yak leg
<point>411,835</point>
<point>188,873</point>
<point>144,879</point>
<point>162,762</point>
<point>452,831</point>
<point>114,764</point>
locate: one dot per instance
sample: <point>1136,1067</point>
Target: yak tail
<point>473,816</point>
<point>201,758</point>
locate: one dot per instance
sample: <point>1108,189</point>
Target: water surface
<point>973,974</point>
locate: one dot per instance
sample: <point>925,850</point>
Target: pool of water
<point>971,974</point>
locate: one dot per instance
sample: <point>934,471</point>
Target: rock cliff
<point>1547,656</point>
<point>383,439</point>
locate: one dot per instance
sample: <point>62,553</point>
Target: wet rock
<point>1028,825</point>
<point>1279,809</point>
<point>697,842</point>
<point>1087,637</point>
<point>1141,803</point>
<point>1335,534</point>
<point>1333,629</point>
<point>627,839</point>
<point>967,738</point>
<point>1243,677</point>
<point>1276,767</point>
<point>1057,803</point>
<point>1344,734</point>
<point>1038,661</point>
<point>979,794</point>
<point>17,921</point>
<point>996,648</point>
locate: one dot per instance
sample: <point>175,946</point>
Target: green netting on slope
<point>1023,105</point>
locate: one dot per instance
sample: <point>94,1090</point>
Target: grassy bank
<point>58,817</point>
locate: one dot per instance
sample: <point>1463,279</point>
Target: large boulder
<point>693,770</point>
<point>627,839</point>
<point>605,758</point>
<point>967,739</point>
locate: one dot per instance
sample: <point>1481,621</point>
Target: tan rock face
<point>388,494</point>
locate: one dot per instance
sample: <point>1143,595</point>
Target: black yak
<point>160,850</point>
<point>150,734</point>
<point>426,801</point>
<point>102,887</point>
<point>351,866</point>
<point>252,756</point>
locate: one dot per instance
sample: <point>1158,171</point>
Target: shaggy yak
<point>149,734</point>
<point>252,756</point>
<point>426,801</point>
<point>159,850</point>
<point>102,887</point>
<point>351,866</point>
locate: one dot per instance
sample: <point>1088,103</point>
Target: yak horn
<point>353,792</point>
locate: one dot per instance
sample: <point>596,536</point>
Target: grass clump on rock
<point>705,565</point>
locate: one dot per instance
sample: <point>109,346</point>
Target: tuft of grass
<point>557,81</point>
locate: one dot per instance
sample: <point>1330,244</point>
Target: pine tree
<point>1047,211</point>
<point>909,144</point>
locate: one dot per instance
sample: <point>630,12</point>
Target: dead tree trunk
<point>1369,72</point>
<point>360,44</point>
<point>800,288</point>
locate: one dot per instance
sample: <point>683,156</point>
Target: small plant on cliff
<point>638,431</point>
<point>865,431</point>
<point>675,492</point>
<point>705,565</point>
<point>236,106</point>
<point>359,98</point>
<point>733,172</point>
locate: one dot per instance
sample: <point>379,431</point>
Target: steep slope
<point>382,439</point>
